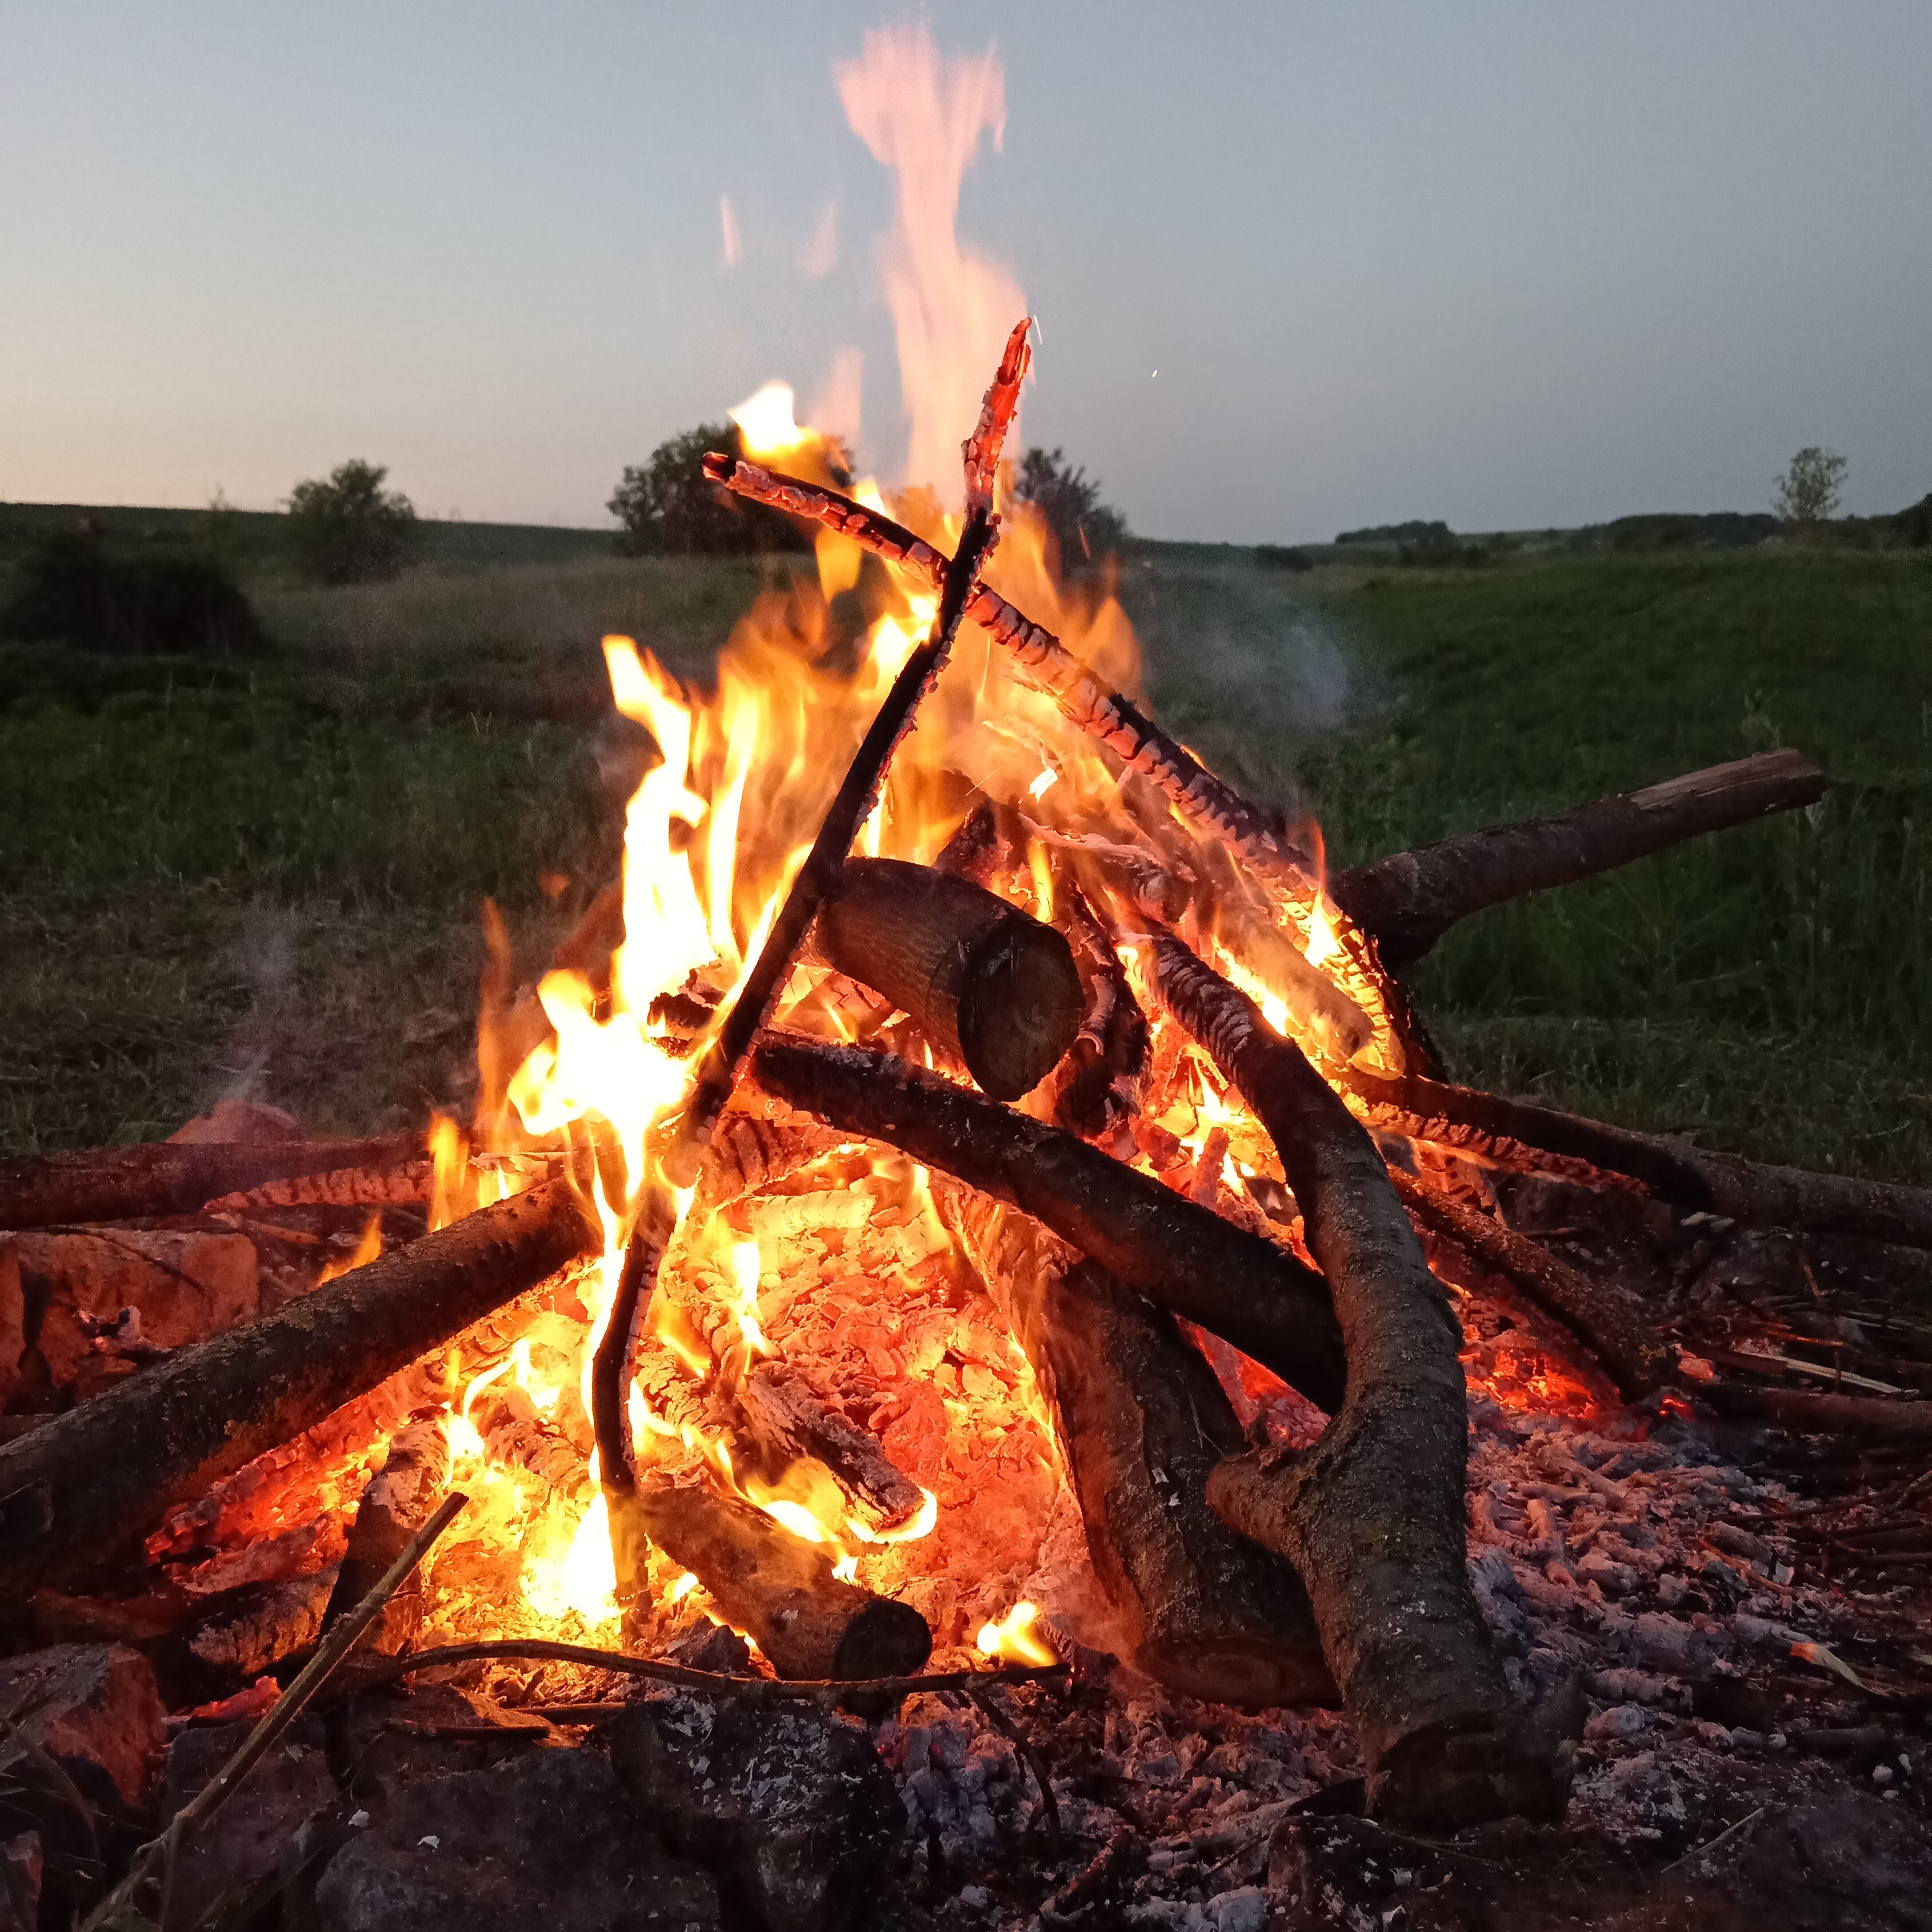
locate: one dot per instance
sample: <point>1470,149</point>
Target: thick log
<point>1598,1312</point>
<point>1410,899</point>
<point>983,979</point>
<point>1372,1516</point>
<point>776,1585</point>
<point>1528,1137</point>
<point>156,1177</point>
<point>1235,1284</point>
<point>788,1423</point>
<point>1142,1422</point>
<point>82,1486</point>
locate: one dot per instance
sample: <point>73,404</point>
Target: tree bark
<point>1141,1421</point>
<point>156,1177</point>
<point>81,1486</point>
<point>775,1585</point>
<point>1101,1082</point>
<point>1184,1257</point>
<point>1599,1314</point>
<point>1372,1516</point>
<point>1410,899</point>
<point>983,979</point>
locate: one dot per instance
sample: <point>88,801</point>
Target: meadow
<point>265,877</point>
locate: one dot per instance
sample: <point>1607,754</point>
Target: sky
<point>1297,267</point>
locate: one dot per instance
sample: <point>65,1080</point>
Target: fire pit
<point>989,1371</point>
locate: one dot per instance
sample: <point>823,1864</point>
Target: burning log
<point>157,1178</point>
<point>983,979</point>
<point>775,1585</point>
<point>1410,899</point>
<point>1597,1313</point>
<point>76,1489</point>
<point>1373,1516</point>
<point>1100,1082</point>
<point>1142,1422</point>
<point>1528,1138</point>
<point>401,1498</point>
<point>1186,1258</point>
<point>788,1423</point>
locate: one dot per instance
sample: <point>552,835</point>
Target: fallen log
<point>1235,1284</point>
<point>1599,1314</point>
<point>985,981</point>
<point>1372,1516</point>
<point>157,1178</point>
<point>1141,1421</point>
<point>82,1486</point>
<point>1528,1137</point>
<point>776,1585</point>
<point>1876,1418</point>
<point>1408,900</point>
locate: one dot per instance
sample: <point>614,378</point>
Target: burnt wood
<point>984,980</point>
<point>1408,900</point>
<point>84,1484</point>
<point>1183,1256</point>
<point>788,1423</point>
<point>1101,1082</point>
<point>1372,1516</point>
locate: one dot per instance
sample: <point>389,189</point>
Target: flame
<point>1011,1639</point>
<point>1323,944</point>
<point>367,1249</point>
<point>765,425</point>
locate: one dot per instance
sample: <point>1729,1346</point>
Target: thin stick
<point>758,1690</point>
<point>288,1707</point>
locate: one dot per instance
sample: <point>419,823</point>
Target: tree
<point>1085,529</point>
<point>1808,492</point>
<point>349,529</point>
<point>668,504</point>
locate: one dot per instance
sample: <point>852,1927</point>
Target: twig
<point>1723,1838</point>
<point>1035,1760</point>
<point>160,1853</point>
<point>757,1690</point>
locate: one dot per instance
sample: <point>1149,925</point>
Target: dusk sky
<point>1508,265</point>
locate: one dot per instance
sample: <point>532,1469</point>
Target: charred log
<point>401,1497</point>
<point>788,1423</point>
<point>1806,1411</point>
<point>983,979</point>
<point>1372,1516</point>
<point>1410,899</point>
<point>79,1487</point>
<point>776,1585</point>
<point>1236,1284</point>
<point>1599,1314</point>
<point>156,1177</point>
<point>1142,1422</point>
<point>1100,1081</point>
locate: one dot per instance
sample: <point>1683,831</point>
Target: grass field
<point>266,877</point>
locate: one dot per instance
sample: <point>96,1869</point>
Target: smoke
<point>263,958</point>
<point>819,255</point>
<point>835,409</point>
<point>951,308</point>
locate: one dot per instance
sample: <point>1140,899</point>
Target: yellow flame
<point>765,424</point>
<point>367,1249</point>
<point>1011,1639</point>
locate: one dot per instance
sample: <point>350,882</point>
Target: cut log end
<point>1020,1009</point>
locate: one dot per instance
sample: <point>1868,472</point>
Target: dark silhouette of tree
<point>1808,492</point>
<point>349,529</point>
<point>1085,529</point>
<point>669,505</point>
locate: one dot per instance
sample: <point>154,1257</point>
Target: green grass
<point>267,879</point>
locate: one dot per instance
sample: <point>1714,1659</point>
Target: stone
<point>549,1841</point>
<point>95,1707</point>
<point>246,1840</point>
<point>792,1808</point>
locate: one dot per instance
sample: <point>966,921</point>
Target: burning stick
<point>788,1423</point>
<point>983,979</point>
<point>1142,1420</point>
<point>83,1483</point>
<point>1410,899</point>
<point>779,1587</point>
<point>1099,1083</point>
<point>173,1177</point>
<point>817,878</point>
<point>1373,1516</point>
<point>1180,1255</point>
<point>1598,1312</point>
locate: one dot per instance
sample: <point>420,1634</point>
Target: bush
<point>1275,556</point>
<point>349,529</point>
<point>669,505</point>
<point>1085,528</point>
<point>1436,534</point>
<point>1913,526</point>
<point>1808,492</point>
<point>71,590</point>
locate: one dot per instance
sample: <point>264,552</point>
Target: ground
<point>266,877</point>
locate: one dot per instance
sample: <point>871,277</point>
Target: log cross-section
<point>1372,1516</point>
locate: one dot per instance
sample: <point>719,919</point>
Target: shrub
<point>1437,534</point>
<point>1276,556</point>
<point>70,589</point>
<point>1913,526</point>
<point>669,505</point>
<point>1808,492</point>
<point>349,529</point>
<point>1085,528</point>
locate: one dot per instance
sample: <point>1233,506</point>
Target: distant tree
<point>668,505</point>
<point>1808,492</point>
<point>1914,526</point>
<point>349,529</point>
<point>1085,529</point>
